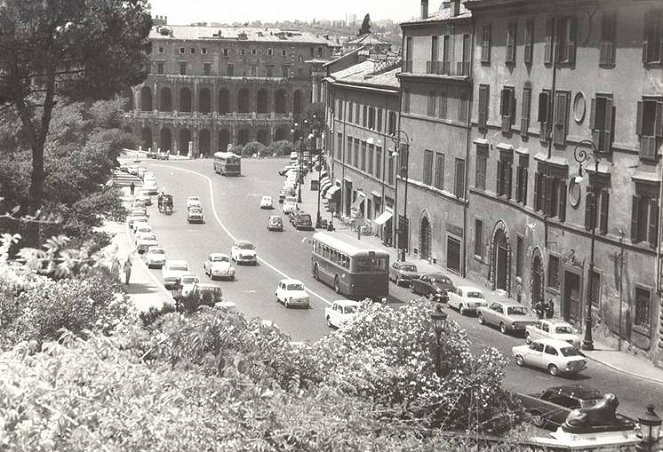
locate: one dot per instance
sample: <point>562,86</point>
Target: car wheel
<point>528,339</point>
<point>337,285</point>
<point>480,318</point>
<point>461,310</point>
<point>316,275</point>
<point>232,277</point>
<point>503,328</point>
<point>519,360</point>
<point>553,370</point>
<point>329,324</point>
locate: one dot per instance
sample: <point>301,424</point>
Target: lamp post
<point>402,143</point>
<point>439,320</point>
<point>297,127</point>
<point>650,428</point>
<point>581,156</point>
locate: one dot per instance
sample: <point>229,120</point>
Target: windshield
<point>179,267</point>
<point>157,251</point>
<point>350,309</point>
<point>295,287</point>
<point>148,237</point>
<point>194,198</point>
<point>370,263</point>
<point>190,279</point>
<point>220,259</point>
<point>409,268</point>
<point>474,295</point>
<point>564,329</point>
<point>245,246</point>
<point>304,216</point>
<point>570,351</point>
<point>517,310</point>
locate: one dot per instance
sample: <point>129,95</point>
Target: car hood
<point>297,294</point>
<point>220,265</point>
<point>246,252</point>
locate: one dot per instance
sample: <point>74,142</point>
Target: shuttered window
<point>608,36</point>
<point>459,183</point>
<point>566,41</point>
<point>652,43</point>
<point>644,218</point>
<point>508,108</point>
<point>561,117</point>
<point>439,171</point>
<point>428,167</point>
<point>543,117</point>
<point>485,44</point>
<point>484,93</point>
<point>548,41</point>
<point>528,49</point>
<point>601,119</point>
<point>649,126</point>
<point>482,160</point>
<point>511,32</point>
<point>525,111</point>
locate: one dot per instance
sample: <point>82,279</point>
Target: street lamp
<point>402,146</point>
<point>300,176</point>
<point>650,428</point>
<point>581,156</point>
<point>439,320</point>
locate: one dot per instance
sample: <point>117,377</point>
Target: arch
<point>185,100</point>
<point>183,142</point>
<point>166,103</point>
<point>204,142</point>
<point>165,140</point>
<point>499,272</point>
<point>262,102</point>
<point>298,102</point>
<point>243,136</point>
<point>146,99</point>
<point>204,101</point>
<point>280,101</point>
<point>425,237</point>
<point>146,137</point>
<point>281,134</point>
<point>224,101</point>
<point>537,277</point>
<point>224,139</point>
<point>243,101</point>
<point>262,136</point>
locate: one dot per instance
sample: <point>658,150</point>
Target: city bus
<point>352,267</point>
<point>227,164</point>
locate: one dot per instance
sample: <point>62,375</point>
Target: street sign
<point>315,184</point>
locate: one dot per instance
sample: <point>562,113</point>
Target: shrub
<point>153,313</point>
<point>252,148</point>
<point>280,148</point>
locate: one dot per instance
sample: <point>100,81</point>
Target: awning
<point>324,180</point>
<point>382,218</point>
<point>325,186</point>
<point>360,198</point>
<point>332,191</point>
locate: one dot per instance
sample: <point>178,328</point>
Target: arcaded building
<point>209,87</point>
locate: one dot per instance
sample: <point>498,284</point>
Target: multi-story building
<point>436,89</point>
<point>209,87</point>
<point>553,81</point>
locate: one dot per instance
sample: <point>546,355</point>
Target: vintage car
<point>341,313</point>
<point>433,286</point>
<point>244,252</point>
<point>554,356</point>
<point>144,241</point>
<point>402,272</point>
<point>301,221</point>
<point>508,316</point>
<point>467,299</point>
<point>553,329</point>
<point>275,223</point>
<point>172,271</point>
<point>207,294</point>
<point>192,201</point>
<point>217,265</point>
<point>290,204</point>
<point>194,215</point>
<point>188,281</point>
<point>155,257</point>
<point>550,408</point>
<point>266,202</point>
<point>291,292</point>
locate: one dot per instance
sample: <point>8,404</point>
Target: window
<point>519,256</point>
<point>370,157</point>
<point>439,171</point>
<point>406,100</point>
<point>392,123</point>
<point>561,117</point>
<point>445,55</point>
<point>254,52</point>
<point>442,105</point>
<point>642,308</point>
<point>464,64</point>
<point>595,289</point>
<point>484,93</point>
<point>608,36</point>
<point>649,126</point>
<point>230,69</point>
<point>600,122</point>
<point>319,52</point>
<point>482,161</point>
<point>203,50</point>
<point>566,43</point>
<point>407,62</point>
<point>478,238</point>
<point>182,68</point>
<point>379,122</point>
<point>350,111</point>
<point>361,165</point>
<point>432,101</point>
<point>270,52</point>
<point>485,44</point>
<point>390,169</point>
<point>270,70</point>
<point>378,162</point>
<point>463,108</point>
<point>511,43</point>
<point>459,182</point>
<point>357,111</point>
<point>285,71</point>
<point>525,111</point>
<point>225,53</point>
<point>653,39</point>
<point>521,179</point>
<point>528,51</point>
<point>644,215</point>
<point>548,41</point>
<point>550,191</point>
<point>193,50</point>
<point>284,52</point>
<point>434,49</point>
<point>207,69</point>
<point>242,51</point>
<point>544,114</point>
<point>504,174</point>
<point>339,146</point>
<point>371,118</point>
<point>553,271</point>
<point>428,167</point>
<point>181,50</point>
<point>348,151</point>
<point>508,108</point>
<point>160,67</point>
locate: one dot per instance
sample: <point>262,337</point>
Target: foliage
<point>253,147</point>
<point>280,148</point>
<point>154,312</point>
<point>365,25</point>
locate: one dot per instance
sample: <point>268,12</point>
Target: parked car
<point>289,204</point>
<point>163,156</point>
<point>139,211</point>
<point>507,315</point>
<point>144,241</point>
<point>275,223</point>
<point>150,187</point>
<point>266,202</point>
<point>291,292</point>
<point>433,286</point>
<point>301,220</point>
<point>151,154</point>
<point>341,313</point>
<point>207,294</point>
<point>192,201</point>
<point>194,215</point>
<point>144,196</point>
<point>467,299</point>
<point>172,271</point>
<point>142,228</point>
<point>550,354</point>
<point>139,222</point>
<point>553,329</point>
<point>136,218</point>
<point>550,408</point>
<point>244,252</point>
<point>283,171</point>
<point>155,257</point>
<point>217,265</point>
<point>402,272</point>
<point>188,280</point>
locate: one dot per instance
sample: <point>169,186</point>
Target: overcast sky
<point>182,12</point>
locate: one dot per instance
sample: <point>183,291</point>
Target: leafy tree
<point>253,147</point>
<point>365,25</point>
<point>57,50</point>
<point>281,147</point>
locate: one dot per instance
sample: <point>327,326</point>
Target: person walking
<point>549,308</point>
<point>127,270</point>
<point>538,309</point>
<point>132,187</point>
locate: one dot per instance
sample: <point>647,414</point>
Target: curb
<point>625,372</point>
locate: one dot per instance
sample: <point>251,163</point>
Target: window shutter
<point>547,50</point>
<point>524,122</point>
<point>529,38</point>
<point>525,177</point>
<point>561,211</point>
<point>543,107</point>
<point>653,222</point>
<point>607,128</point>
<point>634,219</point>
<point>547,196</point>
<point>638,123</point>
<point>484,91</point>
<point>519,175</point>
<point>589,220</point>
<point>605,205</point>
<point>508,177</point>
<point>573,26</point>
<point>592,115</point>
<point>498,185</point>
<point>537,191</point>
<point>512,111</point>
<point>658,123</point>
<point>559,131</point>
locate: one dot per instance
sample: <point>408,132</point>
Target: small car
<point>207,294</point>
<point>266,202</point>
<point>192,201</point>
<point>275,223</point>
<point>553,329</point>
<point>173,271</point>
<point>139,211</point>
<point>217,265</point>
<point>283,171</point>
<point>194,215</point>
<point>145,241</point>
<point>551,354</point>
<point>155,257</point>
<point>467,299</point>
<point>142,228</point>
<point>550,408</point>
<point>341,313</point>
<point>402,272</point>
<point>507,315</point>
<point>301,221</point>
<point>286,190</point>
<point>150,187</point>
<point>244,252</point>
<point>140,221</point>
<point>433,286</point>
<point>188,280</point>
<point>291,292</point>
<point>289,204</point>
<point>151,154</point>
<point>136,218</point>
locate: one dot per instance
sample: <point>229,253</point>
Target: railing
<point>445,68</point>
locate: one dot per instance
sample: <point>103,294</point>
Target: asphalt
<point>146,290</point>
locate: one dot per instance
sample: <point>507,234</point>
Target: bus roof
<point>224,155</point>
<point>347,245</point>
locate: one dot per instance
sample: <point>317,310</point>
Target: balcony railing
<point>445,68</point>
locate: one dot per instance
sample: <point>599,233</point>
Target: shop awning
<point>382,218</point>
<point>325,186</point>
<point>332,191</point>
<point>360,198</point>
<point>324,180</point>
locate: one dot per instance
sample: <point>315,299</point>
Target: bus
<point>352,267</point>
<point>227,164</point>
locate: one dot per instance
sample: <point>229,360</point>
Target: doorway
<point>536,286</point>
<point>571,296</point>
<point>425,239</point>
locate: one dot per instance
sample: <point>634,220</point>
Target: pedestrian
<point>177,294</point>
<point>549,308</point>
<point>132,187</point>
<point>538,309</point>
<point>115,270</point>
<point>127,270</point>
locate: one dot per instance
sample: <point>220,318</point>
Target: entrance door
<point>501,264</point>
<point>537,281</point>
<point>453,254</point>
<point>572,296</point>
<point>425,239</point>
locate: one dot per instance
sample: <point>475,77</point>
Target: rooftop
<point>192,33</point>
<point>367,73</point>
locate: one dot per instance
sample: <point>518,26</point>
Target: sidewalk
<point>620,361</point>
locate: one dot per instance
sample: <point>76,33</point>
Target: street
<point>231,209</point>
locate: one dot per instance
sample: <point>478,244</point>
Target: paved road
<point>231,207</point>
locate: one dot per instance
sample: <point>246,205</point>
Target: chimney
<point>455,7</point>
<point>424,9</point>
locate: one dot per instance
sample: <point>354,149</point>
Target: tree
<point>365,25</point>
<point>59,49</point>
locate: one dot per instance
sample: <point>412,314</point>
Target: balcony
<point>462,68</point>
<point>407,66</point>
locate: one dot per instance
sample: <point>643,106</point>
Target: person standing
<point>132,187</point>
<point>549,308</point>
<point>127,270</point>
<point>538,309</point>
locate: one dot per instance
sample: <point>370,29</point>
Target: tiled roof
<point>364,73</point>
<point>366,39</point>
<point>236,34</point>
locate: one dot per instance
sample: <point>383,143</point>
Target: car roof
<point>436,275</point>
<point>577,391</point>
<point>242,242</point>
<point>554,342</point>
<point>557,322</point>
<point>273,217</point>
<point>291,281</point>
<point>218,254</point>
<point>193,197</point>
<point>189,275</point>
<point>346,303</point>
<point>156,248</point>
<point>208,286</point>
<point>469,288</point>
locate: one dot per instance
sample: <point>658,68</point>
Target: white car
<point>150,187</point>
<point>291,292</point>
<point>553,329</point>
<point>266,202</point>
<point>172,271</point>
<point>139,222</point>
<point>289,204</point>
<point>244,252</point>
<point>142,228</point>
<point>145,241</point>
<point>217,265</point>
<point>155,257</point>
<point>555,356</point>
<point>466,299</point>
<point>341,313</point>
<point>192,201</point>
<point>188,282</point>
<point>136,218</point>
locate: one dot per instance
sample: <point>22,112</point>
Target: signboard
<point>315,184</point>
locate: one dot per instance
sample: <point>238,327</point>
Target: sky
<point>183,12</point>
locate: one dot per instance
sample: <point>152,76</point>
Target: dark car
<point>275,223</point>
<point>402,272</point>
<point>151,154</point>
<point>433,286</point>
<point>301,220</point>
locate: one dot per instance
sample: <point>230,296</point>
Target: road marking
<point>232,236</point>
